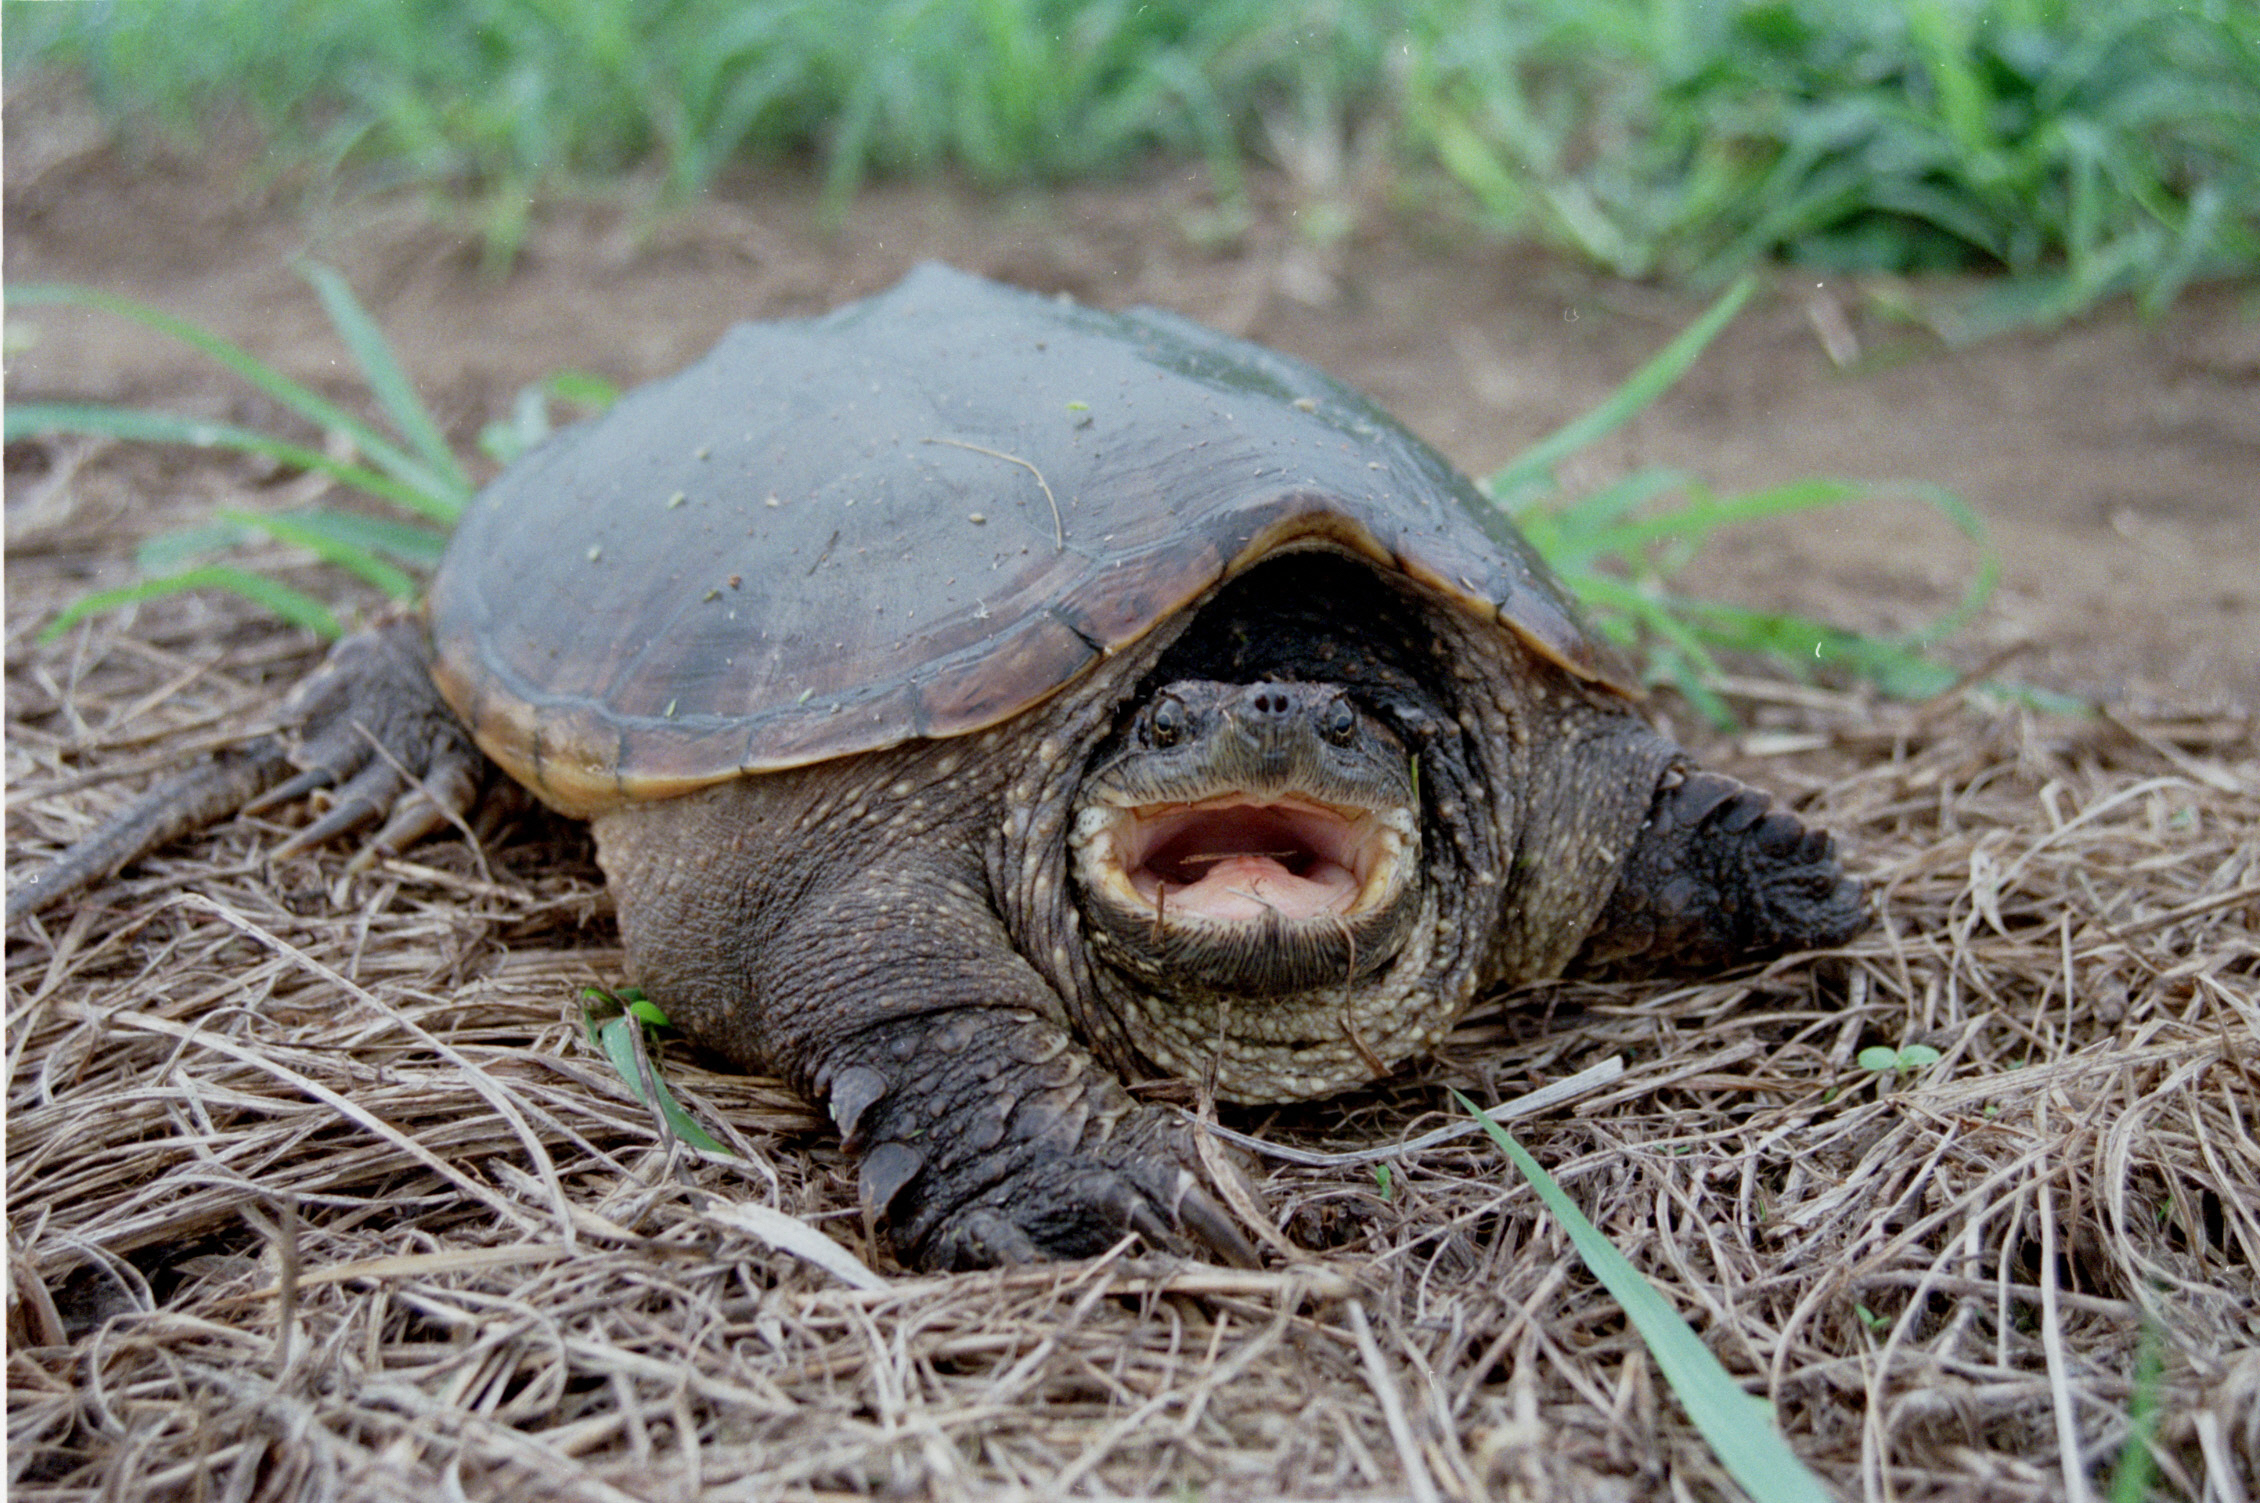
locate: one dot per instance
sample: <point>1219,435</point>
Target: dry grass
<point>314,1190</point>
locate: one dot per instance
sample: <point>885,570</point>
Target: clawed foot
<point>1079,1207</point>
<point>1720,876</point>
<point>973,1158</point>
<point>375,734</point>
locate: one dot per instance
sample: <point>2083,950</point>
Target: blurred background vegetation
<point>2084,147</point>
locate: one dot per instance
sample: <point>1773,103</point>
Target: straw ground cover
<point>316,1190</point>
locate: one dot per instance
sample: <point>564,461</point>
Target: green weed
<point>1902,1061</point>
<point>411,467</point>
<point>1618,548</point>
<point>619,1026</point>
<point>2085,149</point>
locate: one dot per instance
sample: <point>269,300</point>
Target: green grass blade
<point>137,425</point>
<point>294,606</point>
<point>329,549</point>
<point>1738,1428</point>
<point>2131,1478</point>
<point>316,409</point>
<point>170,552</point>
<point>387,381</point>
<point>419,548</point>
<point>1704,514</point>
<point>1532,471</point>
<point>1586,517</point>
<point>617,1037</point>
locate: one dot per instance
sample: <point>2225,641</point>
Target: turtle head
<point>1251,840</point>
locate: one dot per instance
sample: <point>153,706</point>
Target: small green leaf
<point>584,389</point>
<point>1884,1059</point>
<point>624,1040</point>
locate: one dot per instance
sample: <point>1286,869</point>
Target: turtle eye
<point>1165,723</point>
<point>1338,722</point>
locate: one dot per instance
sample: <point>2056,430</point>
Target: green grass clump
<point>514,97</point>
<point>2085,148</point>
<point>1618,548</point>
<point>410,467</point>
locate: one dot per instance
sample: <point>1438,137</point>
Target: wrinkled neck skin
<point>1507,765</point>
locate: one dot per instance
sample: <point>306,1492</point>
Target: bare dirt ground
<point>315,1191</point>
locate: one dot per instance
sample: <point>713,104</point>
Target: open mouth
<point>1236,859</point>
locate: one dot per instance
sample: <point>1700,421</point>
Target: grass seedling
<point>620,1026</point>
<point>2131,1478</point>
<point>1738,1428</point>
<point>1903,1061</point>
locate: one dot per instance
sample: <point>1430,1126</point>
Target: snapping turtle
<point>979,698</point>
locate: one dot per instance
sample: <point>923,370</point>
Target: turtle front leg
<point>871,971</point>
<point>1718,876</point>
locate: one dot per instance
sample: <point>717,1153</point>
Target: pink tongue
<point>1247,887</point>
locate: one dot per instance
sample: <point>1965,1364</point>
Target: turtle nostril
<point>1270,703</point>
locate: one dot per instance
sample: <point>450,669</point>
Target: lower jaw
<point>1253,1070</point>
<point>1297,1045</point>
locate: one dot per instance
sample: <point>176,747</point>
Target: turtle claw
<point>291,789</point>
<point>1081,1213</point>
<point>372,727</point>
<point>1215,1229</point>
<point>982,1238</point>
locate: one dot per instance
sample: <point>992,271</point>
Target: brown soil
<point>316,1191</point>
